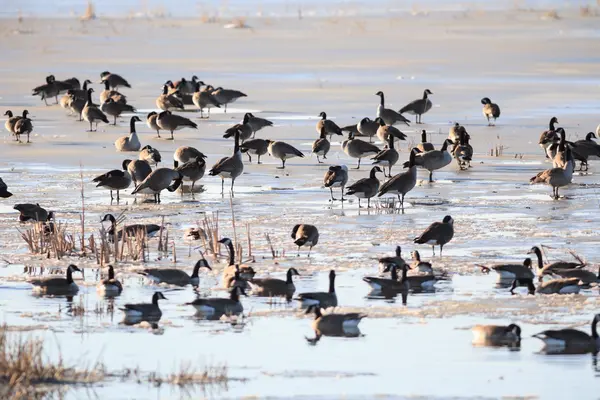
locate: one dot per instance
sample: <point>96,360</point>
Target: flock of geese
<point>189,164</point>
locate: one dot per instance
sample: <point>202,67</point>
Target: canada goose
<point>68,84</point>
<point>387,157</point>
<point>403,182</point>
<point>283,151</point>
<point>107,93</point>
<point>351,128</point>
<point>227,96</point>
<point>583,150</point>
<point>244,128</point>
<point>557,150</point>
<point>234,273</point>
<point>185,154</point>
<point>57,286</point>
<point>23,126</point>
<point>585,276</point>
<point>115,180</point>
<point>110,286</point>
<point>384,131</point>
<point>151,230</point>
<point>142,311</point>
<point>305,235</point>
<point>151,122</point>
<point>336,176</point>
<point>434,159</point>
<point>32,212</point>
<point>424,146</point>
<point>76,92</point>
<point>77,106</point>
<point>159,180</point>
<point>173,276</point>
<point>555,286</point>
<point>168,102</point>
<point>91,113</point>
<point>511,271</point>
<point>392,283</point>
<point>497,335</point>
<point>490,110</point>
<point>357,148</point>
<point>12,120</point>
<point>115,109</point>
<point>365,188</point>
<point>114,80</point>
<point>321,146</point>
<point>172,122</point>
<point>204,99</point>
<point>50,89</point>
<point>455,131</point>
<point>131,142</point>
<point>389,116</point>
<point>257,123</point>
<point>367,127</point>
<point>574,340</point>
<point>321,299</point>
<point>397,260</point>
<point>330,127</point>
<point>329,323</point>
<point>216,307</point>
<point>67,99</point>
<point>418,107</point>
<point>556,177</point>
<point>229,167</point>
<point>437,234</point>
<point>549,135</point>
<point>4,193</point>
<point>463,152</point>
<point>550,268</point>
<point>150,155</point>
<point>192,171</point>
<point>271,287</point>
<point>415,282</point>
<point>187,86</point>
<point>194,233</point>
<point>423,267</point>
<point>138,170</point>
<point>258,147</point>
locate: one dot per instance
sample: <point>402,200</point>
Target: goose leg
<point>45,101</point>
<point>390,171</point>
<point>433,249</point>
<point>298,255</point>
<point>158,133</point>
<point>369,202</point>
<point>441,249</point>
<point>259,160</point>
<point>358,167</point>
<point>118,198</point>
<point>115,121</point>
<point>319,161</point>
<point>90,128</point>
<point>359,202</point>
<point>28,137</point>
<point>342,195</point>
<point>222,186</point>
<point>331,190</point>
<point>430,176</point>
<point>111,196</point>
<point>226,108</point>
<point>158,197</point>
<point>232,181</point>
<point>172,138</point>
<point>249,158</point>
<point>309,250</point>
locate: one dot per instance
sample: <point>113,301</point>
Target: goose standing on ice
<point>131,142</point>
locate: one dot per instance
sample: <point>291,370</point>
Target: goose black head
<point>323,115</point>
<point>448,220</point>
<point>515,329</point>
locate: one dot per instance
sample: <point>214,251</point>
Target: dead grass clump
<point>23,365</point>
<point>187,376</point>
<point>550,15</point>
<point>49,238</point>
<point>90,12</point>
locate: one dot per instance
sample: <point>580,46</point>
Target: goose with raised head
<point>174,276</point>
<point>549,136</point>
<point>559,176</point>
<point>234,273</point>
<point>115,109</point>
<point>229,167</point>
<point>333,324</point>
<point>497,335</point>
<point>145,311</point>
<point>434,159</point>
<point>437,234</point>
<point>321,299</point>
<point>185,154</point>
<point>357,148</point>
<point>9,125</point>
<point>4,193</point>
<point>257,123</point>
<point>387,157</point>
<point>131,231</point>
<point>490,110</point>
<point>227,96</point>
<point>424,146</point>
<point>172,122</point>
<point>192,171</point>
<point>187,86</point>
<point>463,152</point>
<point>403,182</point>
<point>33,212</point>
<point>397,260</point>
<point>204,99</point>
<point>139,170</point>
<point>336,176</point>
<point>114,80</point>
<point>305,235</point>
<point>117,179</point>
<point>365,188</point>
<point>151,122</point>
<point>273,287</point>
<point>257,147</point>
<point>244,128</point>
<point>57,286</point>
<point>321,146</point>
<point>557,149</point>
<point>548,269</point>
<point>555,286</point>
<point>48,90</point>
<point>168,101</point>
<point>150,155</point>
<point>510,271</point>
<point>385,131</point>
<point>23,126</point>
<point>110,286</point>
<point>159,180</point>
<point>571,340</point>
<point>331,128</point>
<point>420,266</point>
<point>284,151</point>
<point>389,116</point>
<point>91,113</point>
<point>131,142</point>
<point>107,93</point>
<point>216,307</point>
<point>418,107</point>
